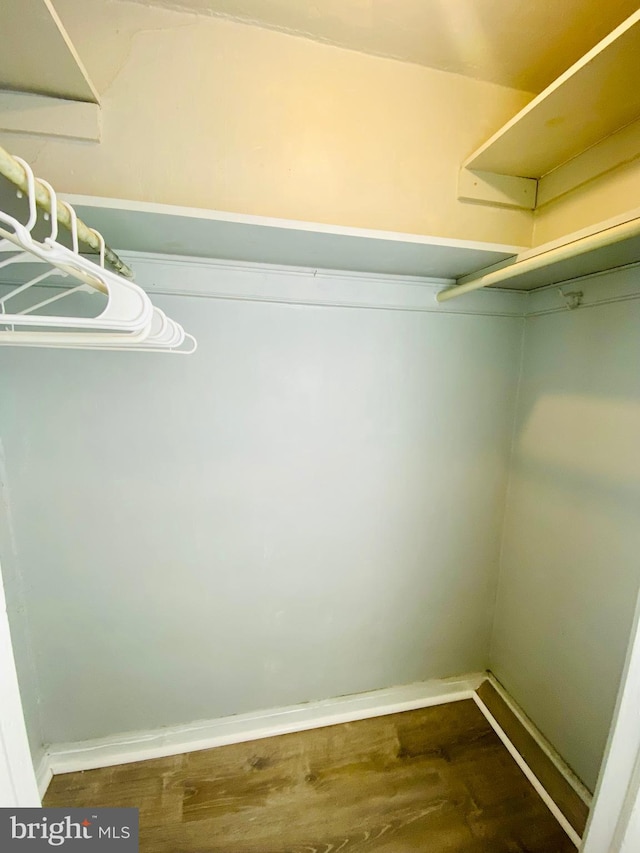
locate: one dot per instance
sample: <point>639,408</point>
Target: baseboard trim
<point>565,796</point>
<point>205,734</point>
<point>554,757</point>
<point>173,740</point>
<point>44,774</point>
<point>522,764</point>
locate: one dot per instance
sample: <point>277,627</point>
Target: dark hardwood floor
<point>437,780</point>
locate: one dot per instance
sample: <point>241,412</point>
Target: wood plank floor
<point>437,780</point>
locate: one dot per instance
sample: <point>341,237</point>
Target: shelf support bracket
<point>41,115</point>
<point>501,190</point>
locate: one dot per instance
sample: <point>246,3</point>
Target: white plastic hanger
<point>128,310</point>
<point>127,321</point>
<point>163,332</point>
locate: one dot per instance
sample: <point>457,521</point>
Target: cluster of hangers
<point>127,319</point>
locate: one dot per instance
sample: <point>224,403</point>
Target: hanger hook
<point>53,198</point>
<point>100,239</point>
<point>74,225</point>
<point>31,193</point>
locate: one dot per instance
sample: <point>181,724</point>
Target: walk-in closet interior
<point>320,421</point>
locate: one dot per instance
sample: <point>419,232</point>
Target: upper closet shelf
<point>597,96</point>
<point>608,245</point>
<point>165,229</point>
<point>39,56</point>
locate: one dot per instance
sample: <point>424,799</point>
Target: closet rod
<point>600,240</point>
<point>13,171</point>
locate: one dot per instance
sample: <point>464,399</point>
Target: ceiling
<point>520,43</point>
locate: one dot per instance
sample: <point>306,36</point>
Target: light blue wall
<point>310,506</point>
<point>571,555</point>
<point>13,584</point>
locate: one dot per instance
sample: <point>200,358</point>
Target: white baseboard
<point>581,790</point>
<point>44,774</point>
<point>173,740</point>
<point>205,734</point>
<point>528,772</point>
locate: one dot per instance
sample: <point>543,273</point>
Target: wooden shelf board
<point>597,96</point>
<point>596,261</point>
<point>41,58</point>
<point>599,260</point>
<point>194,232</point>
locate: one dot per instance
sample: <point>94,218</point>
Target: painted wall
<point>570,569</point>
<point>17,780</point>
<point>611,194</point>
<point>14,600</point>
<point>206,112</point>
<point>310,506</point>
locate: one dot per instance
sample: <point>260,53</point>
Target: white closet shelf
<point>607,257</point>
<point>597,96</point>
<point>608,245</point>
<point>42,58</point>
<point>195,232</point>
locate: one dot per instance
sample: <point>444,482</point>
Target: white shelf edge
<point>95,97</point>
<point>220,235</point>
<point>212,215</point>
<point>587,231</point>
<point>474,162</point>
<point>601,259</point>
